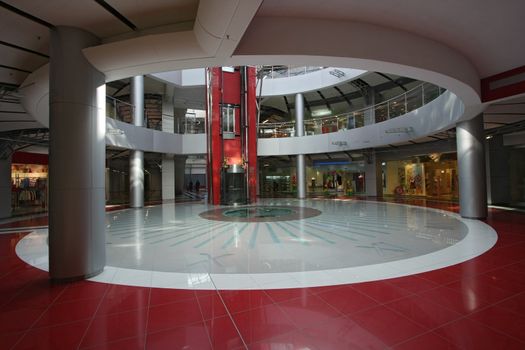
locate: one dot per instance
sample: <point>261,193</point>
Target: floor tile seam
<point>393,346</point>
<point>422,325</point>
<point>407,290</point>
<point>379,302</point>
<point>373,333</point>
<point>109,342</point>
<point>316,297</point>
<point>106,291</point>
<point>284,335</point>
<point>428,299</point>
<point>462,317</point>
<point>171,328</point>
<point>229,315</point>
<point>147,319</point>
<point>172,302</point>
<point>37,320</point>
<point>60,324</point>
<point>298,327</point>
<point>495,329</point>
<point>79,300</point>
<point>208,333</point>
<point>481,298</point>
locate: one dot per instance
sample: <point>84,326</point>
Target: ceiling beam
<point>392,80</point>
<point>15,68</point>
<point>26,15</point>
<point>343,96</point>
<point>4,43</point>
<point>324,99</point>
<point>117,14</point>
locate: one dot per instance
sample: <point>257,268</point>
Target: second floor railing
<point>385,110</point>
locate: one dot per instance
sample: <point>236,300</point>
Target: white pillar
<point>168,177</point>
<point>470,140</point>
<point>299,131</point>
<point>136,157</point>
<point>5,187</point>
<point>77,124</point>
<point>373,185</point>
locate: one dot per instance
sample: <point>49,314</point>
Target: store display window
<point>29,186</point>
<point>433,175</point>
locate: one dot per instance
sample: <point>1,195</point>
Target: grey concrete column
<point>471,168</point>
<point>179,171</point>
<point>5,187</point>
<point>498,175</point>
<point>136,157</point>
<point>370,100</point>
<point>373,185</point>
<point>168,177</point>
<point>299,131</point>
<point>77,124</point>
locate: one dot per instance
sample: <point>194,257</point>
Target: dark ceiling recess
<point>4,43</point>
<point>287,104</point>
<point>117,14</point>
<point>343,96</point>
<point>14,68</point>
<point>392,80</point>
<point>324,99</point>
<point>26,15</point>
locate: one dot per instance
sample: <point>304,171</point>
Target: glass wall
<point>433,176</point>
<point>334,178</point>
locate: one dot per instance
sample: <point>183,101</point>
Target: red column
<point>225,89</point>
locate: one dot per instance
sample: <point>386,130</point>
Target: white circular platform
<point>171,246</point>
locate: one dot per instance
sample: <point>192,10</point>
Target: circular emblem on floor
<point>260,213</point>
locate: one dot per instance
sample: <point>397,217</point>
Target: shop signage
<point>114,131</point>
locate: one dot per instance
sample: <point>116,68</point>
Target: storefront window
<point>432,175</point>
<point>29,187</point>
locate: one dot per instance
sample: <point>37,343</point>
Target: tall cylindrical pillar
<point>301,177</point>
<point>136,157</point>
<point>5,187</point>
<point>136,179</point>
<point>471,168</point>
<point>77,124</point>
<point>299,131</point>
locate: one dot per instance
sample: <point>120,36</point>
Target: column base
<point>75,278</point>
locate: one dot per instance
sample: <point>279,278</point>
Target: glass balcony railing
<point>392,108</point>
<point>275,72</point>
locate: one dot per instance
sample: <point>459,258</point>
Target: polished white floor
<point>171,246</point>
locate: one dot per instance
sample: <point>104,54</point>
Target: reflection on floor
<point>195,246</point>
<point>477,304</point>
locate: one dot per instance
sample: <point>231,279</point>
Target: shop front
<point>433,176</point>
<point>29,183</point>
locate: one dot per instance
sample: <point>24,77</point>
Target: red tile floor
<point>479,304</point>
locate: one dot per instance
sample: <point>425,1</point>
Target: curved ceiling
<point>450,43</point>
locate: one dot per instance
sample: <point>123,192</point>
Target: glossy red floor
<point>479,304</point>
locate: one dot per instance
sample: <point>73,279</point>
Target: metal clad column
<point>470,140</point>
<point>5,187</point>
<point>136,157</point>
<point>299,131</point>
<point>77,123</point>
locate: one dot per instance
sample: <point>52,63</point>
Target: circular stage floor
<point>306,243</point>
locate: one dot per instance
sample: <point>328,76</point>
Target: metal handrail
<point>286,129</point>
